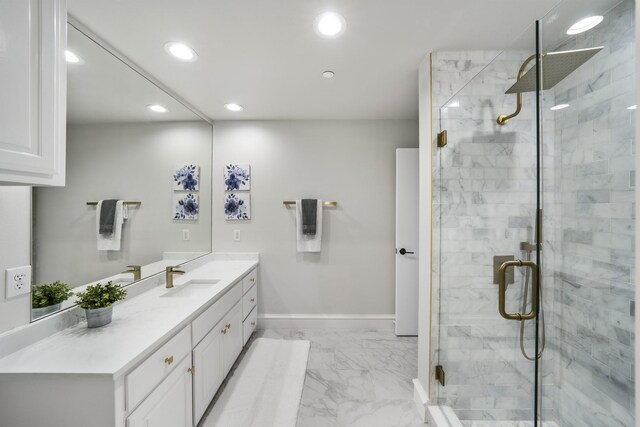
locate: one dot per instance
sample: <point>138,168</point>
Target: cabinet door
<point>207,360</point>
<point>33,88</point>
<point>170,404</point>
<point>232,345</point>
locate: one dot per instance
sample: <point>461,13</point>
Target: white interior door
<point>407,241</point>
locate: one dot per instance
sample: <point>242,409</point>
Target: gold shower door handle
<point>502,296</point>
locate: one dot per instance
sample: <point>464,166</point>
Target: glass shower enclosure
<point>533,235</point>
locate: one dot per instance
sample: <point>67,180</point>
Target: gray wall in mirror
<point>118,149</point>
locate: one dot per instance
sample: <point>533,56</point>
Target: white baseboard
<point>421,399</point>
<point>328,321</point>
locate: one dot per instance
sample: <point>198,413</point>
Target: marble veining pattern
<point>356,377</point>
<point>593,287</point>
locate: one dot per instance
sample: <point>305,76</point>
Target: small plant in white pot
<point>97,301</point>
<point>48,297</point>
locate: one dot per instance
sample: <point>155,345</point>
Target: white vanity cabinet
<point>249,305</point>
<point>33,88</point>
<point>100,381</point>
<point>207,356</point>
<point>213,358</point>
<point>170,405</point>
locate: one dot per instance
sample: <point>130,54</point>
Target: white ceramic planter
<point>99,316</point>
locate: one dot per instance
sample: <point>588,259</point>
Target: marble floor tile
<point>389,385</point>
<point>356,377</point>
<point>334,386</point>
<point>321,358</point>
<point>378,413</point>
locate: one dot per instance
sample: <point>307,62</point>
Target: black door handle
<point>404,251</point>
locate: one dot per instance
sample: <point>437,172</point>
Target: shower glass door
<point>486,206</point>
<point>542,184</point>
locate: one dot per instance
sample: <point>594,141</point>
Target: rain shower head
<point>555,67</point>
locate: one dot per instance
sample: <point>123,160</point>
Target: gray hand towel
<point>107,216</point>
<point>309,215</point>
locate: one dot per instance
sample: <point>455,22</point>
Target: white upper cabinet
<point>32,91</point>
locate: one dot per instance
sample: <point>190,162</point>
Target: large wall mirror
<point>128,140</point>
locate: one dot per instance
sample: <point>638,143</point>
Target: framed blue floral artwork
<point>237,177</point>
<point>186,206</point>
<point>186,178</point>
<point>237,206</point>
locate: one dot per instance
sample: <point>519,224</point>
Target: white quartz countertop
<point>140,325</point>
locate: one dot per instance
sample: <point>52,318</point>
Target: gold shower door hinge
<point>440,374</point>
<point>442,139</point>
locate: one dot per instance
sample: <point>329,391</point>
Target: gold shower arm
<point>503,119</point>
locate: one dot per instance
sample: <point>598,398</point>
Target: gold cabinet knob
<point>253,323</point>
<point>253,300</point>
<point>228,326</point>
<point>224,330</point>
<point>168,360</point>
<point>191,370</point>
<point>253,279</point>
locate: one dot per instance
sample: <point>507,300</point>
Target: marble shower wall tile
<point>594,287</point>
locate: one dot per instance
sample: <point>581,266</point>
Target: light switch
<point>236,235</point>
<point>186,235</point>
<point>18,281</point>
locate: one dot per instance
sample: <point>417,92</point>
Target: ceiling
<point>265,55</point>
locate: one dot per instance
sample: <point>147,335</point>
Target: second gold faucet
<point>170,271</point>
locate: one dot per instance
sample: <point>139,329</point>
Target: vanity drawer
<point>207,320</point>
<point>249,325</point>
<point>249,300</point>
<point>249,280</point>
<point>142,380</point>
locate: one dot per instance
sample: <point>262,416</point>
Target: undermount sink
<point>190,288</point>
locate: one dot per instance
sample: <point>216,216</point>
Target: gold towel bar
<point>126,203</point>
<point>293,202</point>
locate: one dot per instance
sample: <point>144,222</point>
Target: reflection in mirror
<point>118,147</point>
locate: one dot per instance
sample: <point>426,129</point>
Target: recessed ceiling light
<point>330,25</point>
<point>633,107</point>
<point>71,57</point>
<point>328,74</point>
<point>157,108</point>
<point>559,107</point>
<point>180,51</point>
<point>233,107</point>
<point>584,25</point>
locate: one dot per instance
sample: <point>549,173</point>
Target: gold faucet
<point>171,270</point>
<point>136,270</point>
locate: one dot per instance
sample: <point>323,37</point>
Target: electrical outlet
<point>236,235</point>
<point>186,235</point>
<point>18,281</point>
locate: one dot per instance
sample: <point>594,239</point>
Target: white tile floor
<point>356,378</point>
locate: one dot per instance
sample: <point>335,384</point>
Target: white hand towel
<point>307,243</point>
<point>111,242</point>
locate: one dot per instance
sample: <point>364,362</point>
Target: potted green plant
<point>97,301</point>
<point>48,297</point>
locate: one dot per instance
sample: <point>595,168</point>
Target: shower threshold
<point>444,416</point>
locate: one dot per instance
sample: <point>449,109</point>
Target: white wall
<point>352,162</point>
<point>15,238</point>
<point>133,161</point>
